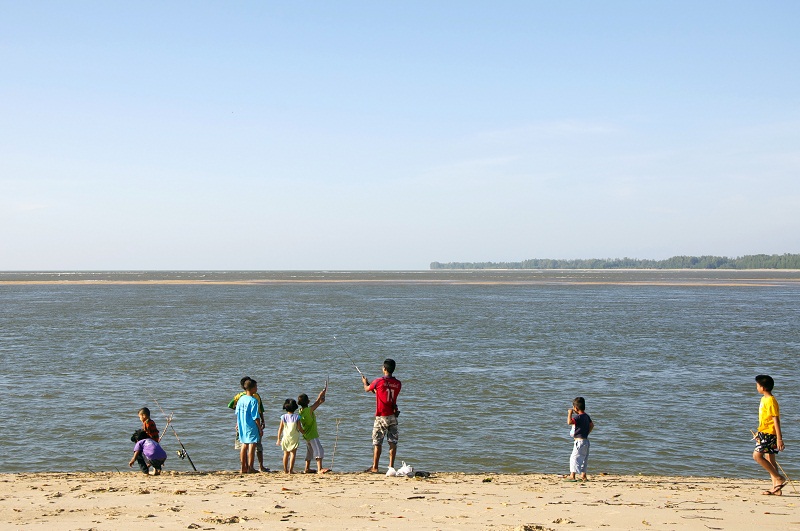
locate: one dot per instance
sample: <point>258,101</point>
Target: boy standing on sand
<point>577,416</point>
<point>386,390</point>
<point>769,440</point>
<point>237,443</point>
<point>248,423</point>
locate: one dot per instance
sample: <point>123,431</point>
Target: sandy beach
<point>230,501</point>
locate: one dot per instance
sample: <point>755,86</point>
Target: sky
<point>386,135</point>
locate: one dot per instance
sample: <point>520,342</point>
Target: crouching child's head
<point>139,435</point>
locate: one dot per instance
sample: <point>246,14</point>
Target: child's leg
<point>583,457</point>
<point>768,463</point>
<point>585,464</point>
<point>309,456</point>
<point>157,464</point>
<point>251,456</point>
<point>292,456</point>
<point>243,458</point>
<point>142,464</point>
<point>260,454</point>
<point>285,462</point>
<point>573,460</point>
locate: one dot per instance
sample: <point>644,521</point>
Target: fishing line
<point>348,356</point>
<point>333,459</point>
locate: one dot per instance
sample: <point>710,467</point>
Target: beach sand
<point>230,501</point>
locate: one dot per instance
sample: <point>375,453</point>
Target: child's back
<point>291,434</point>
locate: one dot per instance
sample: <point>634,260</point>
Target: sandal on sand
<point>777,490</point>
<point>371,471</point>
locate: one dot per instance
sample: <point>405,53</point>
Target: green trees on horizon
<point>755,261</point>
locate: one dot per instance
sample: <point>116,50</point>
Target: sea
<point>490,362</point>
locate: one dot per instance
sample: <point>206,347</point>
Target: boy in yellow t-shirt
<point>769,440</point>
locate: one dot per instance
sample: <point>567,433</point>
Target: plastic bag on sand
<point>405,470</point>
<point>391,472</point>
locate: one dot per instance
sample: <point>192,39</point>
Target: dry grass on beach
<point>229,501</point>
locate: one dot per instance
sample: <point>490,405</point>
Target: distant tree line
<point>755,261</point>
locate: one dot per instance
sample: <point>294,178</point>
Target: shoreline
<point>541,502</point>
<point>494,277</point>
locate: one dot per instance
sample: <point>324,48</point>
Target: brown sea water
<point>490,362</point>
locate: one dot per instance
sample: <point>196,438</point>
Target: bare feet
<point>372,471</point>
<point>324,471</point>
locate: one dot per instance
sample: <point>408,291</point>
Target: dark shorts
<point>766,443</point>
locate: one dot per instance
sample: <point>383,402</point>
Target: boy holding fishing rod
<point>769,439</point>
<point>386,390</point>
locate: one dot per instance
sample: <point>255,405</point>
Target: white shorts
<point>579,457</point>
<point>314,450</point>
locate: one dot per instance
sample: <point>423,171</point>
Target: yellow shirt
<point>768,409</point>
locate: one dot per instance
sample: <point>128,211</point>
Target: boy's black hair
<point>250,384</point>
<point>243,380</point>
<point>302,400</point>
<point>290,405</point>
<point>146,411</point>
<point>765,381</point>
<point>389,365</point>
<point>139,435</point>
<point>579,404</point>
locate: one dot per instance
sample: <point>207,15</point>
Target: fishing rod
<point>182,452</point>
<point>349,357</point>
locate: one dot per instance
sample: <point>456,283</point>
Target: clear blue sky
<point>386,135</point>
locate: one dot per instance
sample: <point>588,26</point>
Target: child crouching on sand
<point>291,429</point>
<point>583,425</point>
<point>147,452</point>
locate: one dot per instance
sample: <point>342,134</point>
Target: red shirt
<point>386,390</point>
<point>150,429</point>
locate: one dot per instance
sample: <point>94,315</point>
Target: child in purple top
<point>147,453</point>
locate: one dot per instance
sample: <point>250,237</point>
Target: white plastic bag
<point>391,472</point>
<point>405,470</point>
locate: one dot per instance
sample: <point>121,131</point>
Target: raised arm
<point>318,402</point>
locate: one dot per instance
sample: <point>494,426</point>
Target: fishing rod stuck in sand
<point>182,452</point>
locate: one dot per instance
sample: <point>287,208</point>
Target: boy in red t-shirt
<point>148,425</point>
<point>386,390</point>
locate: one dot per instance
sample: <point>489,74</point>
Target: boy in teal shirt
<point>237,443</point>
